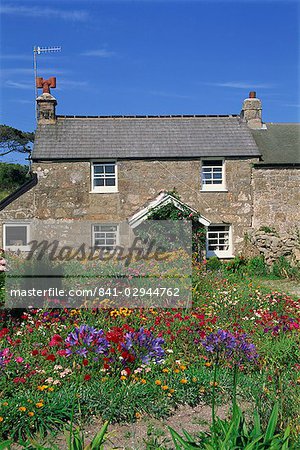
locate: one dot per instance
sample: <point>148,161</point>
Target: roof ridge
<point>148,116</point>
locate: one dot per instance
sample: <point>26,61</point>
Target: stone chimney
<point>251,111</point>
<point>46,103</point>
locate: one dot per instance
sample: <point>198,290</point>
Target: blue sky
<point>151,57</point>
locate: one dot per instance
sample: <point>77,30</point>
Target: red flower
<point>19,380</point>
<point>3,332</point>
<point>85,362</point>
<point>51,358</point>
<point>87,377</point>
<point>34,352</point>
<point>44,352</point>
<point>56,340</point>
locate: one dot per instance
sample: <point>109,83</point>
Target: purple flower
<point>144,346</point>
<point>86,339</point>
<point>235,347</point>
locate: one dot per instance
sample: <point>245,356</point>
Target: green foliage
<point>214,263</point>
<point>282,268</point>
<point>236,434</point>
<point>236,265</point>
<point>13,140</point>
<point>11,177</point>
<point>267,229</point>
<point>257,266</point>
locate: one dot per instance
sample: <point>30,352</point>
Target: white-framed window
<point>105,236</point>
<point>16,236</point>
<point>219,241</point>
<point>213,175</point>
<point>104,176</point>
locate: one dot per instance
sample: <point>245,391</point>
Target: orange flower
<point>5,404</point>
<point>207,364</point>
<point>22,408</point>
<point>183,381</point>
<point>158,382</point>
<point>194,379</point>
<point>1,419</point>
<point>143,381</point>
<point>31,413</point>
<point>213,383</point>
<point>176,370</point>
<point>165,387</point>
<point>172,391</point>
<point>182,367</point>
<point>39,404</point>
<point>165,370</point>
<point>123,377</point>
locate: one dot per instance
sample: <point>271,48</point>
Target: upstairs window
<point>105,236</point>
<point>16,236</point>
<point>213,175</point>
<point>219,241</point>
<point>104,177</point>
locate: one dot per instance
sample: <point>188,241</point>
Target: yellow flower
<point>123,377</point>
<point>43,387</point>
<point>165,387</point>
<point>207,364</point>
<point>1,419</point>
<point>31,413</point>
<point>39,404</point>
<point>165,370</point>
<point>202,390</point>
<point>51,389</point>
<point>158,382</point>
<point>5,404</point>
<point>194,379</point>
<point>22,408</point>
<point>183,381</point>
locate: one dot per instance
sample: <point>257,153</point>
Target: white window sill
<point>214,190</point>
<point>15,248</point>
<point>104,192</point>
<point>220,255</point>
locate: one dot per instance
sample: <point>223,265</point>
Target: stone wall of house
<point>63,193</point>
<point>276,198</point>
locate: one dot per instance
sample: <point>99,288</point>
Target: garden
<point>237,345</point>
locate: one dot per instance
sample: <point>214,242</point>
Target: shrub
<point>282,268</point>
<point>257,266</point>
<point>214,263</point>
<point>236,265</point>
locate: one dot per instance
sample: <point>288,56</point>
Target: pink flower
<point>61,352</point>
<point>19,359</point>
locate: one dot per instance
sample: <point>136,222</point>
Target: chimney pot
<point>252,94</point>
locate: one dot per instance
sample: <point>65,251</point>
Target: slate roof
<point>144,137</point>
<point>279,143</point>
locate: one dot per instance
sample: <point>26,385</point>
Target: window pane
<point>98,169</point>
<point>110,169</point>
<point>99,182</point>
<point>110,182</point>
<point>218,175</point>
<point>16,235</point>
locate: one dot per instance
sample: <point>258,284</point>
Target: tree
<point>14,140</point>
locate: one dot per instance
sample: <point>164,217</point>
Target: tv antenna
<point>38,51</point>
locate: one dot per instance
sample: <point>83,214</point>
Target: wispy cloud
<point>168,94</point>
<point>18,85</point>
<point>28,71</point>
<point>17,57</point>
<point>241,85</point>
<point>45,13</point>
<point>293,105</point>
<point>22,102</point>
<point>101,53</point>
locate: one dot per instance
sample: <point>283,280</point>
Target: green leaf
<point>5,445</point>
<point>272,423</point>
<point>286,436</point>
<point>98,440</point>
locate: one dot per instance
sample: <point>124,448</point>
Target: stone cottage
<point>97,173</point>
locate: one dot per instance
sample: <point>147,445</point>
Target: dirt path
<point>286,286</point>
